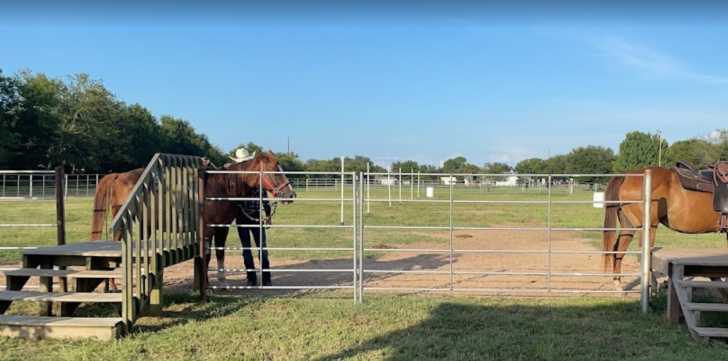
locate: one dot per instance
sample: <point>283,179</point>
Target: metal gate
<point>362,271</point>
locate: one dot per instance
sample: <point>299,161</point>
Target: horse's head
<point>275,183</point>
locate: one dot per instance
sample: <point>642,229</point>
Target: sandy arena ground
<point>179,278</point>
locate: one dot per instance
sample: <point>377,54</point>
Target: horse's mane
<point>236,184</point>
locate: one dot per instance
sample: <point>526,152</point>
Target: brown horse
<point>114,189</point>
<point>239,185</point>
<point>673,206</point>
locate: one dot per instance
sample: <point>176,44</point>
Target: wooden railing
<point>159,228</point>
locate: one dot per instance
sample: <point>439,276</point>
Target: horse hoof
<point>267,283</point>
<point>618,286</point>
<point>251,283</point>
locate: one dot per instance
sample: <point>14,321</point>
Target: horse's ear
<point>271,156</point>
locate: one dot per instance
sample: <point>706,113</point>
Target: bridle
<point>277,191</point>
<point>268,181</point>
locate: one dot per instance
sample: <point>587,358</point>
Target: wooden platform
<point>694,257</point>
<point>701,263</point>
<point>60,296</point>
<point>34,327</point>
<point>85,249</point>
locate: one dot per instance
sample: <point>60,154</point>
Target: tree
<point>407,166</point>
<point>696,151</point>
<point>639,150</point>
<point>454,165</point>
<point>590,160</point>
<point>531,166</point>
<point>10,110</point>
<point>719,141</point>
<point>496,168</point>
<point>251,147</point>
<point>555,164</point>
<point>36,125</point>
<point>290,163</point>
<point>321,165</point>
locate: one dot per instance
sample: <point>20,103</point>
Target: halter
<point>268,181</point>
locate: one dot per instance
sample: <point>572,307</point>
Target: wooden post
<point>60,223</point>
<point>60,215</point>
<point>156,295</point>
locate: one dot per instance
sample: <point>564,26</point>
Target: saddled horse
<point>672,205</point>
<point>114,189</point>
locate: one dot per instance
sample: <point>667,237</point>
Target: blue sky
<point>502,86</point>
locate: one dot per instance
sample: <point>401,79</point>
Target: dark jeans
<point>244,234</point>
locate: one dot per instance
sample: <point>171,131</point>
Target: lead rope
<point>274,206</point>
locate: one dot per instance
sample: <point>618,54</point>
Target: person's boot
<point>252,279</point>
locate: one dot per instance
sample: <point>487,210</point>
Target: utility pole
<point>289,144</point>
<point>659,153</point>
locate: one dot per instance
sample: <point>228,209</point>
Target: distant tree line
<point>79,124</point>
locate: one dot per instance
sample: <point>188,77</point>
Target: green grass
<point>325,326</point>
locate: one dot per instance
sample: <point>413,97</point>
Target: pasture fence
<point>364,269</point>
<point>31,179</point>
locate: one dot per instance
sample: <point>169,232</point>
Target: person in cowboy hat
<point>249,214</point>
<point>241,155</point>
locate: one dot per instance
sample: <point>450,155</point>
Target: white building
<point>448,180</point>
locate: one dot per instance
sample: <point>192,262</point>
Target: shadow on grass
<point>592,330</point>
<point>181,306</point>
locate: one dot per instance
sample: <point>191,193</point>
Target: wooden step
<point>702,284</point>
<point>35,327</point>
<point>709,307</point>
<point>32,272</point>
<point>85,249</point>
<point>711,331</point>
<point>60,296</point>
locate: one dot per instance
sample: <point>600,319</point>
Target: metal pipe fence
<point>39,184</point>
<point>33,186</point>
<point>339,225</point>
<point>363,269</point>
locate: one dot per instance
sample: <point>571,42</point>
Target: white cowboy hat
<point>241,155</point>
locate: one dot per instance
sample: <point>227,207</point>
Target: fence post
<point>342,190</point>
<point>60,214</point>
<point>201,259</point>
<point>646,251</point>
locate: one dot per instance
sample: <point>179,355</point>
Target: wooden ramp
<point>682,264</point>
<point>99,261</point>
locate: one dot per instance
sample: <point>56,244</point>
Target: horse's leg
<point>244,234</point>
<point>220,238</point>
<point>624,238</point>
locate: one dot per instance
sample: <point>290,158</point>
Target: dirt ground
<point>288,276</point>
<point>285,275</point>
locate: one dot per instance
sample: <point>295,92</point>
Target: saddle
<point>713,180</point>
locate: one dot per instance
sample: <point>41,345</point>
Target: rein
<point>274,206</point>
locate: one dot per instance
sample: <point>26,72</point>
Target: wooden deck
<point>85,249</point>
<point>694,257</point>
<point>699,264</point>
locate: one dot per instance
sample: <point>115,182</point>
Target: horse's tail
<point>610,221</point>
<point>101,205</point>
